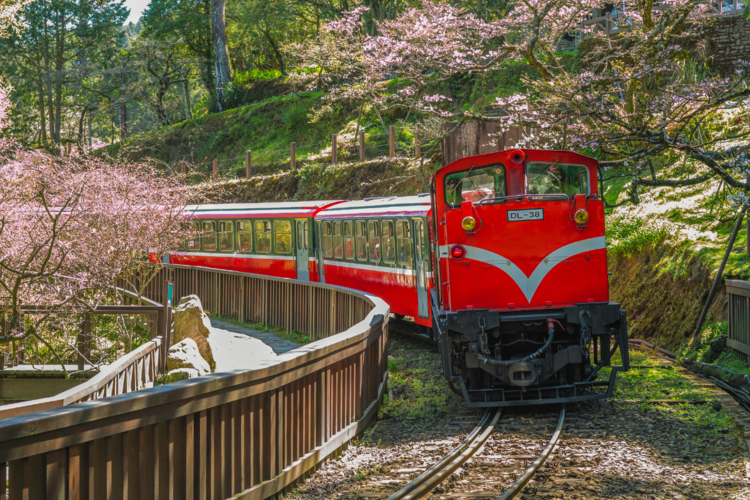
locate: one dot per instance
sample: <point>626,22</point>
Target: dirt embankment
<point>663,289</point>
<point>345,181</point>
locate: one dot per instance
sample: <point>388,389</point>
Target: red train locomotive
<point>504,263</point>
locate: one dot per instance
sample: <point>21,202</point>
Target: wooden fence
<point>739,317</point>
<point>615,22</point>
<point>243,434</point>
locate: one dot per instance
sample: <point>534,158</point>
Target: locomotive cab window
<point>244,236</point>
<point>475,184</point>
<point>283,231</point>
<point>226,236</point>
<point>348,240</point>
<point>389,244</point>
<point>360,230</point>
<point>557,178</point>
<point>325,239</point>
<point>338,242</point>
<point>373,231</point>
<point>403,238</point>
<point>263,236</point>
<point>209,236</point>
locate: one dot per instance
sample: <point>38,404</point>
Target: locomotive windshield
<point>475,184</point>
<point>557,178</point>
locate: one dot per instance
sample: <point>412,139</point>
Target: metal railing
<point>739,318</point>
<point>242,434</point>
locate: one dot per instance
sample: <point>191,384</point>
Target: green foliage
<point>644,385</point>
<point>419,390</point>
<point>245,77</point>
<point>295,116</point>
<point>628,235</point>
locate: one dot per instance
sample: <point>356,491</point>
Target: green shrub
<point>628,234</point>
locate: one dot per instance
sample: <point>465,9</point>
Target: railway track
<point>432,477</point>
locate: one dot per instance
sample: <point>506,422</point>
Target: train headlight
<point>469,223</point>
<point>458,252</point>
<point>581,216</point>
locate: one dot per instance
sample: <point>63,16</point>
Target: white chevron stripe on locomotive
<point>529,284</point>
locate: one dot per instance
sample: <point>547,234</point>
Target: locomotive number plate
<point>532,214</point>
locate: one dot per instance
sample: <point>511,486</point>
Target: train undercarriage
<point>494,358</point>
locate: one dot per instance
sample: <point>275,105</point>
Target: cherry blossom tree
<point>70,226</point>
<point>636,99</point>
<point>642,105</point>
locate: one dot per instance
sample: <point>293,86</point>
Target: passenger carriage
<point>380,246</point>
<point>273,239</point>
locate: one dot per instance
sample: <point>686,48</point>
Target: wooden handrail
<point>242,434</point>
<point>604,21</point>
<point>90,388</point>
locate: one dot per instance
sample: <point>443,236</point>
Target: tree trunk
<point>123,110</point>
<point>276,51</point>
<point>81,124</point>
<point>42,114</point>
<point>186,96</point>
<point>161,112</point>
<point>221,52</point>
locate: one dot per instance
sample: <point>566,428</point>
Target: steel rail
<point>526,477</point>
<point>436,474</point>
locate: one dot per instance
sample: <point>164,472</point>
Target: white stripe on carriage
<point>236,255</point>
<point>397,211</point>
<point>529,285</point>
<point>365,267</point>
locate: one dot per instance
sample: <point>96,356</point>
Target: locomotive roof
<point>292,209</point>
<point>389,205</point>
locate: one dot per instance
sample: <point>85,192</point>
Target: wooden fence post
<point>182,168</point>
<point>333,149</point>
<point>392,141</point>
<point>292,156</point>
<point>417,144</point>
<point>216,170</point>
<point>362,146</point>
<point>248,164</point>
<point>84,341</point>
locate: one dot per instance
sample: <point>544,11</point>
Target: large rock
<point>185,354</point>
<point>190,322</point>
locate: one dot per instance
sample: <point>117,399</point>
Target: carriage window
<point>475,184</point>
<point>373,230</point>
<point>389,250</point>
<point>283,231</point>
<point>300,237</point>
<point>244,236</point>
<point>360,233</point>
<point>338,242</point>
<point>349,239</point>
<point>194,244</point>
<point>304,235</point>
<point>326,239</point>
<point>403,238</point>
<point>226,236</point>
<point>209,236</point>
<point>263,236</point>
<point>557,178</point>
